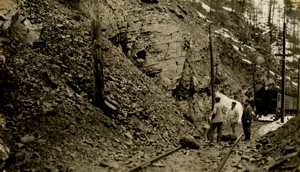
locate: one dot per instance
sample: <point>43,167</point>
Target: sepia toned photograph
<point>149,85</point>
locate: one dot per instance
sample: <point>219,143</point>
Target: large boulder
<point>189,142</point>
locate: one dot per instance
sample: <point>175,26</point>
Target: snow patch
<point>228,9</point>
<point>268,118</point>
<point>267,31</point>
<point>273,126</point>
<point>248,46</point>
<point>201,15</point>
<point>235,47</point>
<point>206,7</point>
<point>220,31</point>
<point>247,61</point>
<point>273,73</point>
<point>227,34</point>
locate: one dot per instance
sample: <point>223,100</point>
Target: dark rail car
<point>266,102</point>
<point>269,102</point>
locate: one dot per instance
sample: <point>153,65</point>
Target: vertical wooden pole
<point>212,75</point>
<point>283,77</point>
<point>294,36</point>
<point>254,86</point>
<point>98,83</point>
<point>298,87</point>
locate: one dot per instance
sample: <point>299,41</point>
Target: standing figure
<point>216,121</point>
<point>233,117</point>
<point>246,120</point>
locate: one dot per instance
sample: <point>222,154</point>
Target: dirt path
<point>245,152</point>
<point>210,155</point>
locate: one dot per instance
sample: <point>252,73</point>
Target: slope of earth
<point>47,90</point>
<point>167,41</point>
<point>280,148</point>
<point>47,84</point>
<point>238,44</point>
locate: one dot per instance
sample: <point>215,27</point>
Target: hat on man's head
<point>234,103</point>
<point>217,98</point>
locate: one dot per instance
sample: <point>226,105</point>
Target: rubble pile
<point>282,151</point>
<point>50,110</point>
<point>156,72</point>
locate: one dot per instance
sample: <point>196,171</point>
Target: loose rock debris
<point>47,90</point>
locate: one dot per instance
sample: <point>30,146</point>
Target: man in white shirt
<point>233,117</point>
<point>216,121</point>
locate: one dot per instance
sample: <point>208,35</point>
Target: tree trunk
<point>270,12</point>
<point>273,11</point>
<point>98,83</point>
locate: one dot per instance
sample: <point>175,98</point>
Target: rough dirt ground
<point>209,156</point>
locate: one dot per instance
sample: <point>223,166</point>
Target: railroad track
<point>256,126</point>
<point>143,165</point>
<point>139,167</point>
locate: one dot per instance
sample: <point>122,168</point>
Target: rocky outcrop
<point>165,40</point>
<point>150,37</point>
<point>8,11</point>
<point>162,43</point>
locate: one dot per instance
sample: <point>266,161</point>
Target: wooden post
<point>298,87</point>
<point>283,77</point>
<point>212,76</point>
<point>98,83</point>
<point>254,86</point>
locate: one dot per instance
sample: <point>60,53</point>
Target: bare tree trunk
<point>242,6</point>
<point>98,64</point>
<point>294,36</point>
<point>273,11</point>
<point>297,48</point>
<point>270,11</point>
<point>255,16</point>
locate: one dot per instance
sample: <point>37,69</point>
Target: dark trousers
<point>212,129</point>
<point>247,130</point>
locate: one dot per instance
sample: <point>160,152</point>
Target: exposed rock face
<point>151,38</point>
<point>8,10</point>
<point>163,44</point>
<point>157,38</point>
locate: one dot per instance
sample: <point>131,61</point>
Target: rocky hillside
<point>168,41</point>
<point>157,80</point>
<point>279,154</point>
